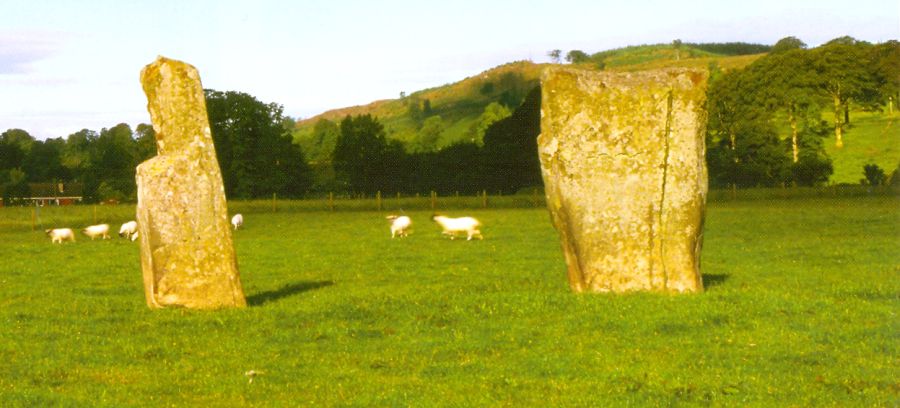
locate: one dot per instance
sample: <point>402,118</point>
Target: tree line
<point>252,139</point>
<point>787,91</point>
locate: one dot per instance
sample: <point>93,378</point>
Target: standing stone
<point>623,161</point>
<point>187,255</point>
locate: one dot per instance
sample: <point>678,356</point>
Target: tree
<point>577,57</point>
<point>554,55</point>
<point>842,73</point>
<point>18,137</point>
<point>363,159</point>
<point>255,151</point>
<point>786,81</point>
<point>676,44</point>
<point>743,148</point>
<point>874,175</point>
<point>429,134</point>
<point>145,137</point>
<point>44,162</point>
<point>885,65</point>
<point>510,148</point>
<point>788,44</point>
<point>492,113</point>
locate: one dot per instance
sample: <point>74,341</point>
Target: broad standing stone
<point>623,161</point>
<point>187,255</point>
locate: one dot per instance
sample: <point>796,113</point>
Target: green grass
<point>800,310</point>
<point>872,137</point>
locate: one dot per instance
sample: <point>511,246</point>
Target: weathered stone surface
<point>187,255</point>
<point>622,157</point>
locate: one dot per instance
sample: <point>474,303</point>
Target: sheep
<point>451,226</point>
<point>99,230</point>
<point>237,220</point>
<point>60,235</point>
<point>400,225</point>
<point>128,230</point>
<point>134,236</point>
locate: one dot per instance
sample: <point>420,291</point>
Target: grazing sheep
<point>237,220</point>
<point>60,235</point>
<point>128,230</point>
<point>451,226</point>
<point>99,230</point>
<point>400,225</point>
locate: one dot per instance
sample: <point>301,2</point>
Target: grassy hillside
<point>870,138</point>
<point>461,103</point>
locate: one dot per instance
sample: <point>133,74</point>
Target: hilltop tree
<point>788,44</point>
<point>554,55</point>
<point>577,57</point>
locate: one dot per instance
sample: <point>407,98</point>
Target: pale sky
<point>70,65</point>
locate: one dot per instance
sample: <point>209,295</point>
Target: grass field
<point>800,310</point>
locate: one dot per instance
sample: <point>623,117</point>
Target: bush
<point>874,175</point>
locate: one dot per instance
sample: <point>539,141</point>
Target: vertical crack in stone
<point>662,198</point>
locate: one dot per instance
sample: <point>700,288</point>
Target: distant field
<point>800,310</point>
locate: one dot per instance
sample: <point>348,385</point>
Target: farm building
<point>45,194</point>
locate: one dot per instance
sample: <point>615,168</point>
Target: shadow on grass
<point>291,289</point>
<point>710,280</point>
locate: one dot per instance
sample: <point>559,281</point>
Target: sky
<point>72,65</point>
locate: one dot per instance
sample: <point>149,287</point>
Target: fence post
<point>378,199</point>
<point>95,213</point>
<point>331,201</point>
<point>484,198</point>
<point>33,217</point>
<point>274,195</point>
<point>733,191</point>
<point>433,200</point>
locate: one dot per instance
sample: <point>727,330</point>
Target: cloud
<point>19,50</point>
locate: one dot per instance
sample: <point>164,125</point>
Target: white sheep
<point>99,230</point>
<point>451,226</point>
<point>60,235</point>
<point>128,230</point>
<point>400,225</point>
<point>237,220</point>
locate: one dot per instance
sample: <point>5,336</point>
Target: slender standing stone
<point>187,255</point>
<point>623,161</point>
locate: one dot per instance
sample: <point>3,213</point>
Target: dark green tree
<point>44,162</point>
<point>255,151</point>
<point>510,148</point>
<point>364,161</point>
<point>874,175</point>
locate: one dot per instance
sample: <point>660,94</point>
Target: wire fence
<point>40,218</point>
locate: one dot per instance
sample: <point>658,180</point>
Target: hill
<point>461,105</point>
